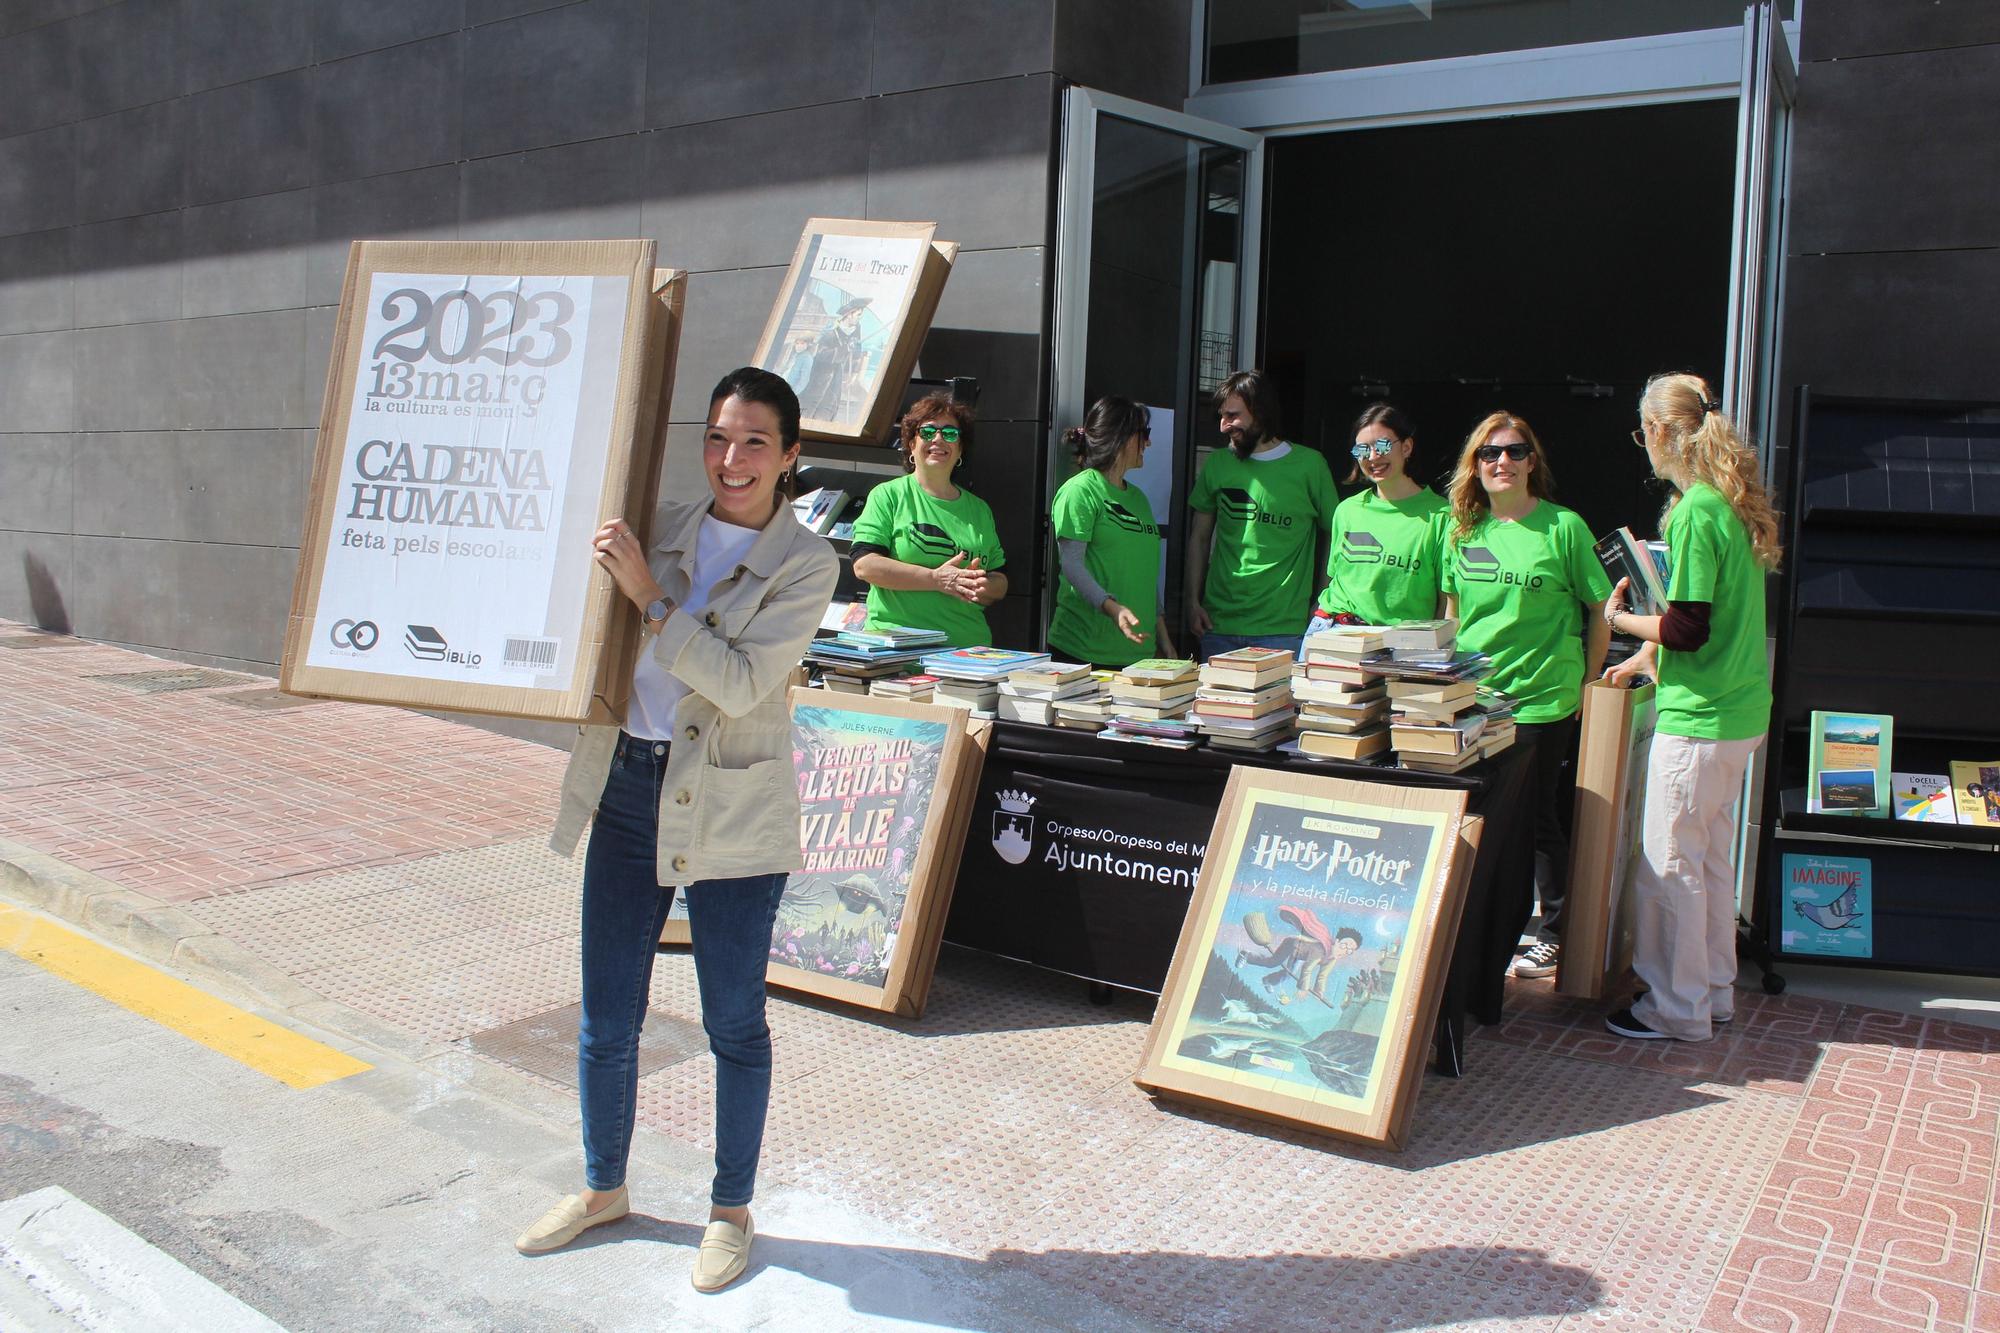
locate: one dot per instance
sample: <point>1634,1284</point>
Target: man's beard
<point>1245,444</point>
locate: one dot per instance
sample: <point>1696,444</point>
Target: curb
<point>162,934</point>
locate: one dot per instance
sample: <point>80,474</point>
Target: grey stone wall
<point>179,180</point>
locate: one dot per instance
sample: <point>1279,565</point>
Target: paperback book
<point>1976,786</point>
<point>1626,557</point>
<point>1847,765</point>
<point>1923,798</point>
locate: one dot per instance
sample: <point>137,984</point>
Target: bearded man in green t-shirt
<point>1266,505</point>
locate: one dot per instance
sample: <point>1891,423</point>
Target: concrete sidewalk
<point>381,874</point>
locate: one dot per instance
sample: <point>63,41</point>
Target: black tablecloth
<point>1083,855</point>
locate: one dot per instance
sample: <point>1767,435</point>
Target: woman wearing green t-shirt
<point>1714,706</point>
<point>1108,600</point>
<point>1381,566</point>
<point>928,548</point>
<point>1524,583</point>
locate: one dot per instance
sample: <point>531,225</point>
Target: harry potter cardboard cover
<point>1312,960</point>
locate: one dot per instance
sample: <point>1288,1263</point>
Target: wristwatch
<point>657,612</point>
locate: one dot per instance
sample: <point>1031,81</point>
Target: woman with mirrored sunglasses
<point>1520,575</point>
<point>927,547</point>
<point>1382,564</point>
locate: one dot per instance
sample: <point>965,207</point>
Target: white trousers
<point>1684,885</point>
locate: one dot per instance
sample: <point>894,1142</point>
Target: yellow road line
<point>297,1061</point>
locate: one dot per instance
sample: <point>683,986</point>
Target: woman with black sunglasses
<point>1523,580</point>
<point>927,547</point>
<point>1381,565</point>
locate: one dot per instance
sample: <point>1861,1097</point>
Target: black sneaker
<point>1625,1025</point>
<point>1714,1022</point>
<point>1538,960</point>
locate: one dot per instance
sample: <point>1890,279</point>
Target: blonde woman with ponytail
<point>1714,703</point>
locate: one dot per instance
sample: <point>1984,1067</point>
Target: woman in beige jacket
<point>696,792</point>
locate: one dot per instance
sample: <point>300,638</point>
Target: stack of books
<point>1435,721</point>
<point>1343,708</point>
<point>853,658</point>
<point>970,677</point>
<point>1031,694</point>
<point>1085,711</point>
<point>1153,689</point>
<point>917,689</point>
<point>1244,699</point>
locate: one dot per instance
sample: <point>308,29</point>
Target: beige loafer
<point>567,1220</point>
<point>724,1254</point>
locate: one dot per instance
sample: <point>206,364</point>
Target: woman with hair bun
<point>1714,706</point>
<point>1381,564</point>
<point>1107,601</point>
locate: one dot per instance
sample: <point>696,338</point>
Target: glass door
<point>1157,247</point>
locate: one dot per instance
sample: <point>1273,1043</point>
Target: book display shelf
<point>1891,605</point>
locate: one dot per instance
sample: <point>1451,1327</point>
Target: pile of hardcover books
<point>854,658</point>
<point>1343,708</point>
<point>1435,721</point>
<point>1148,704</point>
<point>1244,699</point>
<point>1031,694</point>
<point>970,677</point>
<point>916,689</point>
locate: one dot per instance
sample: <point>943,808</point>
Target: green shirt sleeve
<point>1442,551</point>
<point>877,524</point>
<point>1586,571</point>
<point>1202,498</point>
<point>1076,510</point>
<point>1692,543</point>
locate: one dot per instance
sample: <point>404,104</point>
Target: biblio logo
<point>1128,520</point>
<point>427,645</point>
<point>1234,503</point>
<point>1014,827</point>
<point>355,636</point>
<point>1360,548</point>
<point>1476,564</point>
<point>932,540</point>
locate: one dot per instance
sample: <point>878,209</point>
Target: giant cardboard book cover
<point>488,406</point>
<point>1306,985</point>
<point>850,318</point>
<point>885,795</point>
<point>1615,741</point>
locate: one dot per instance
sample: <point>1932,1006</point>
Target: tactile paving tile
<point>266,701</point>
<point>175,678</point>
<point>39,641</point>
<point>545,1044</point>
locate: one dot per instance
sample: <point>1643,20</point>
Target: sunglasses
<point>928,434</point>
<point>1373,449</point>
<point>1490,453</point>
<point>1639,437</point>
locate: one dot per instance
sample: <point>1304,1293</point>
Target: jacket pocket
<point>748,808</point>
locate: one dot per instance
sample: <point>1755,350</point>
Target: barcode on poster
<point>540,653</point>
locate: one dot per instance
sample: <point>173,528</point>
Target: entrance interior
<point>1544,264</point>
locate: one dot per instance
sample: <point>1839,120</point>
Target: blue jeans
<point>1211,643</point>
<point>623,910</point>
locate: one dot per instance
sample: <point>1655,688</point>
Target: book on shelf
<point>1420,634</point>
<point>819,510</point>
<point>1975,787</point>
<point>1356,745</point>
<point>1625,556</point>
<point>1847,763</point>
<point>1923,798</point>
<point>1159,670</point>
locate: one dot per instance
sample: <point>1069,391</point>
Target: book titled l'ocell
<point>1624,556</point>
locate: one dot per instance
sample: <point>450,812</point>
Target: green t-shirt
<point>1269,513</point>
<point>1383,565</point>
<point>916,527</point>
<point>1122,552</point>
<point>1521,589</point>
<point>1722,690</point>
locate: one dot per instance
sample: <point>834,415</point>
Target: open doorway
<point>1545,264</point>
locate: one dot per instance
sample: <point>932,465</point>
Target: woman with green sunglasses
<point>1381,564</point>
<point>927,547</point>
